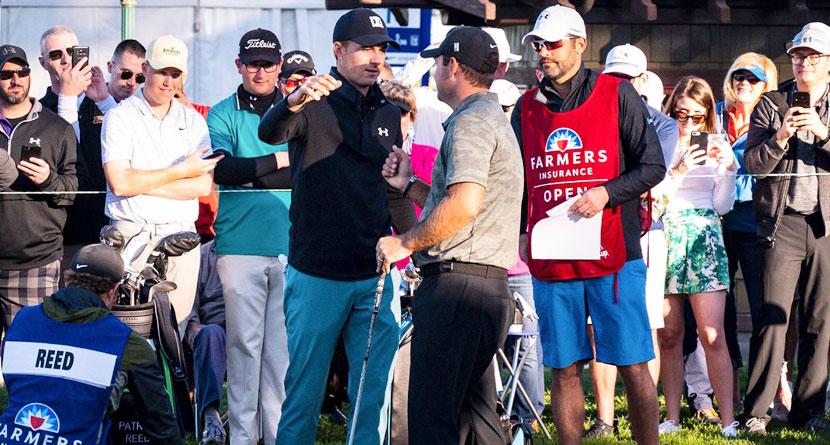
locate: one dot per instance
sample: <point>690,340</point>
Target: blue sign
<point>413,38</point>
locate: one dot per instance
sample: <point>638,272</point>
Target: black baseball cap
<point>259,45</point>
<point>469,45</point>
<point>297,62</point>
<point>100,260</point>
<point>11,52</point>
<point>363,26</point>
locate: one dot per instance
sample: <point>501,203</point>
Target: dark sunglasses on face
<point>696,119</point>
<point>293,83</point>
<point>127,74</point>
<point>740,77</point>
<point>550,46</point>
<point>8,74</point>
<point>56,54</point>
<point>621,76</point>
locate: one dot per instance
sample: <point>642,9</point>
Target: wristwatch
<point>412,180</point>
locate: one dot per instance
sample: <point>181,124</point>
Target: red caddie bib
<point>566,154</point>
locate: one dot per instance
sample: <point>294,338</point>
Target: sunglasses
<point>621,76</point>
<point>253,68</point>
<point>550,46</point>
<point>127,75</point>
<point>56,54</point>
<point>696,119</point>
<point>740,77</point>
<point>8,74</point>
<point>293,83</point>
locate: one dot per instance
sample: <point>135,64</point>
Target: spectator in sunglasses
<point>702,188</point>
<point>43,147</point>
<point>83,103</point>
<point>296,66</point>
<point>56,58</point>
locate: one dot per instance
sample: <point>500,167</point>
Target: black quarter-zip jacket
<point>339,204</point>
<point>31,225</point>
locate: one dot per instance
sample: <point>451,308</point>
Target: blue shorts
<point>621,329</point>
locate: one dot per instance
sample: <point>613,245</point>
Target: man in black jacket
<point>588,136</point>
<point>43,146</point>
<point>340,129</point>
<point>792,208</point>
<point>76,320</point>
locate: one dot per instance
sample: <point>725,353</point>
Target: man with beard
<point>596,124</point>
<point>43,146</point>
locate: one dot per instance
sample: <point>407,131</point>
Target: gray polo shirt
<point>479,146</point>
<point>803,193</point>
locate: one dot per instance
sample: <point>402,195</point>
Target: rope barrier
<point>100,192</point>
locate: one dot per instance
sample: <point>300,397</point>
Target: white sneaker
<point>731,430</point>
<point>668,427</point>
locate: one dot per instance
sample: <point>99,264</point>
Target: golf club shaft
<point>375,310</point>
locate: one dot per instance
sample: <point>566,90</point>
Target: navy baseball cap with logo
<point>259,45</point>
<point>469,45</point>
<point>297,62</point>
<point>11,52</point>
<point>363,26</point>
<point>100,260</point>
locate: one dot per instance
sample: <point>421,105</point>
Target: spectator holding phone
<point>701,189</point>
<point>153,150</point>
<point>793,214</point>
<point>43,147</point>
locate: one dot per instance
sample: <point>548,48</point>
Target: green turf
<point>694,431</point>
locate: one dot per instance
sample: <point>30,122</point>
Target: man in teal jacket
<point>252,242</point>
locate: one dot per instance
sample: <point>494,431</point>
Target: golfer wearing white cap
<point>574,131</point>
<point>793,215</point>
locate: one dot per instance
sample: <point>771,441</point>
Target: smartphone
<point>801,99</point>
<point>78,53</point>
<point>30,151</point>
<point>701,138</point>
<point>215,154</point>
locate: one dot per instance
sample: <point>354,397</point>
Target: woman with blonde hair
<point>701,188</point>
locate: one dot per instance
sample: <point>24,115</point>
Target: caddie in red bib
<point>589,152</point>
<point>566,154</point>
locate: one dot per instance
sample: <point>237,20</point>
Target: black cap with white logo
<point>259,45</point>
<point>297,62</point>
<point>11,52</point>
<point>363,26</point>
<point>100,260</point>
<point>469,45</point>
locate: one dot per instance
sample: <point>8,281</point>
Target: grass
<point>694,431</point>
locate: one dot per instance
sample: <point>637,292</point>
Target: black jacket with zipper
<point>32,225</point>
<point>763,156</point>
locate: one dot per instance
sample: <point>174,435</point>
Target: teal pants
<point>317,311</point>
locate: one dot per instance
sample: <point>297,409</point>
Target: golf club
<point>375,309</point>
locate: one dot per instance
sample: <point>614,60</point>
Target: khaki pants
<point>182,270</point>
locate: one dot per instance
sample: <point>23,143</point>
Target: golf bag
<point>142,303</point>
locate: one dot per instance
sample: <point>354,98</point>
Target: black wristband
<point>412,180</point>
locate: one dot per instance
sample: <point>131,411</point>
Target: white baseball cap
<point>815,35</point>
<point>505,55</point>
<point>653,91</point>
<point>507,92</point>
<point>556,23</point>
<point>625,59</point>
<point>168,52</point>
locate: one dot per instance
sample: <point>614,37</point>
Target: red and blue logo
<point>563,139</point>
<point>38,417</point>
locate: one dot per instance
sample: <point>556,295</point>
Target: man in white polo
<point>152,149</point>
